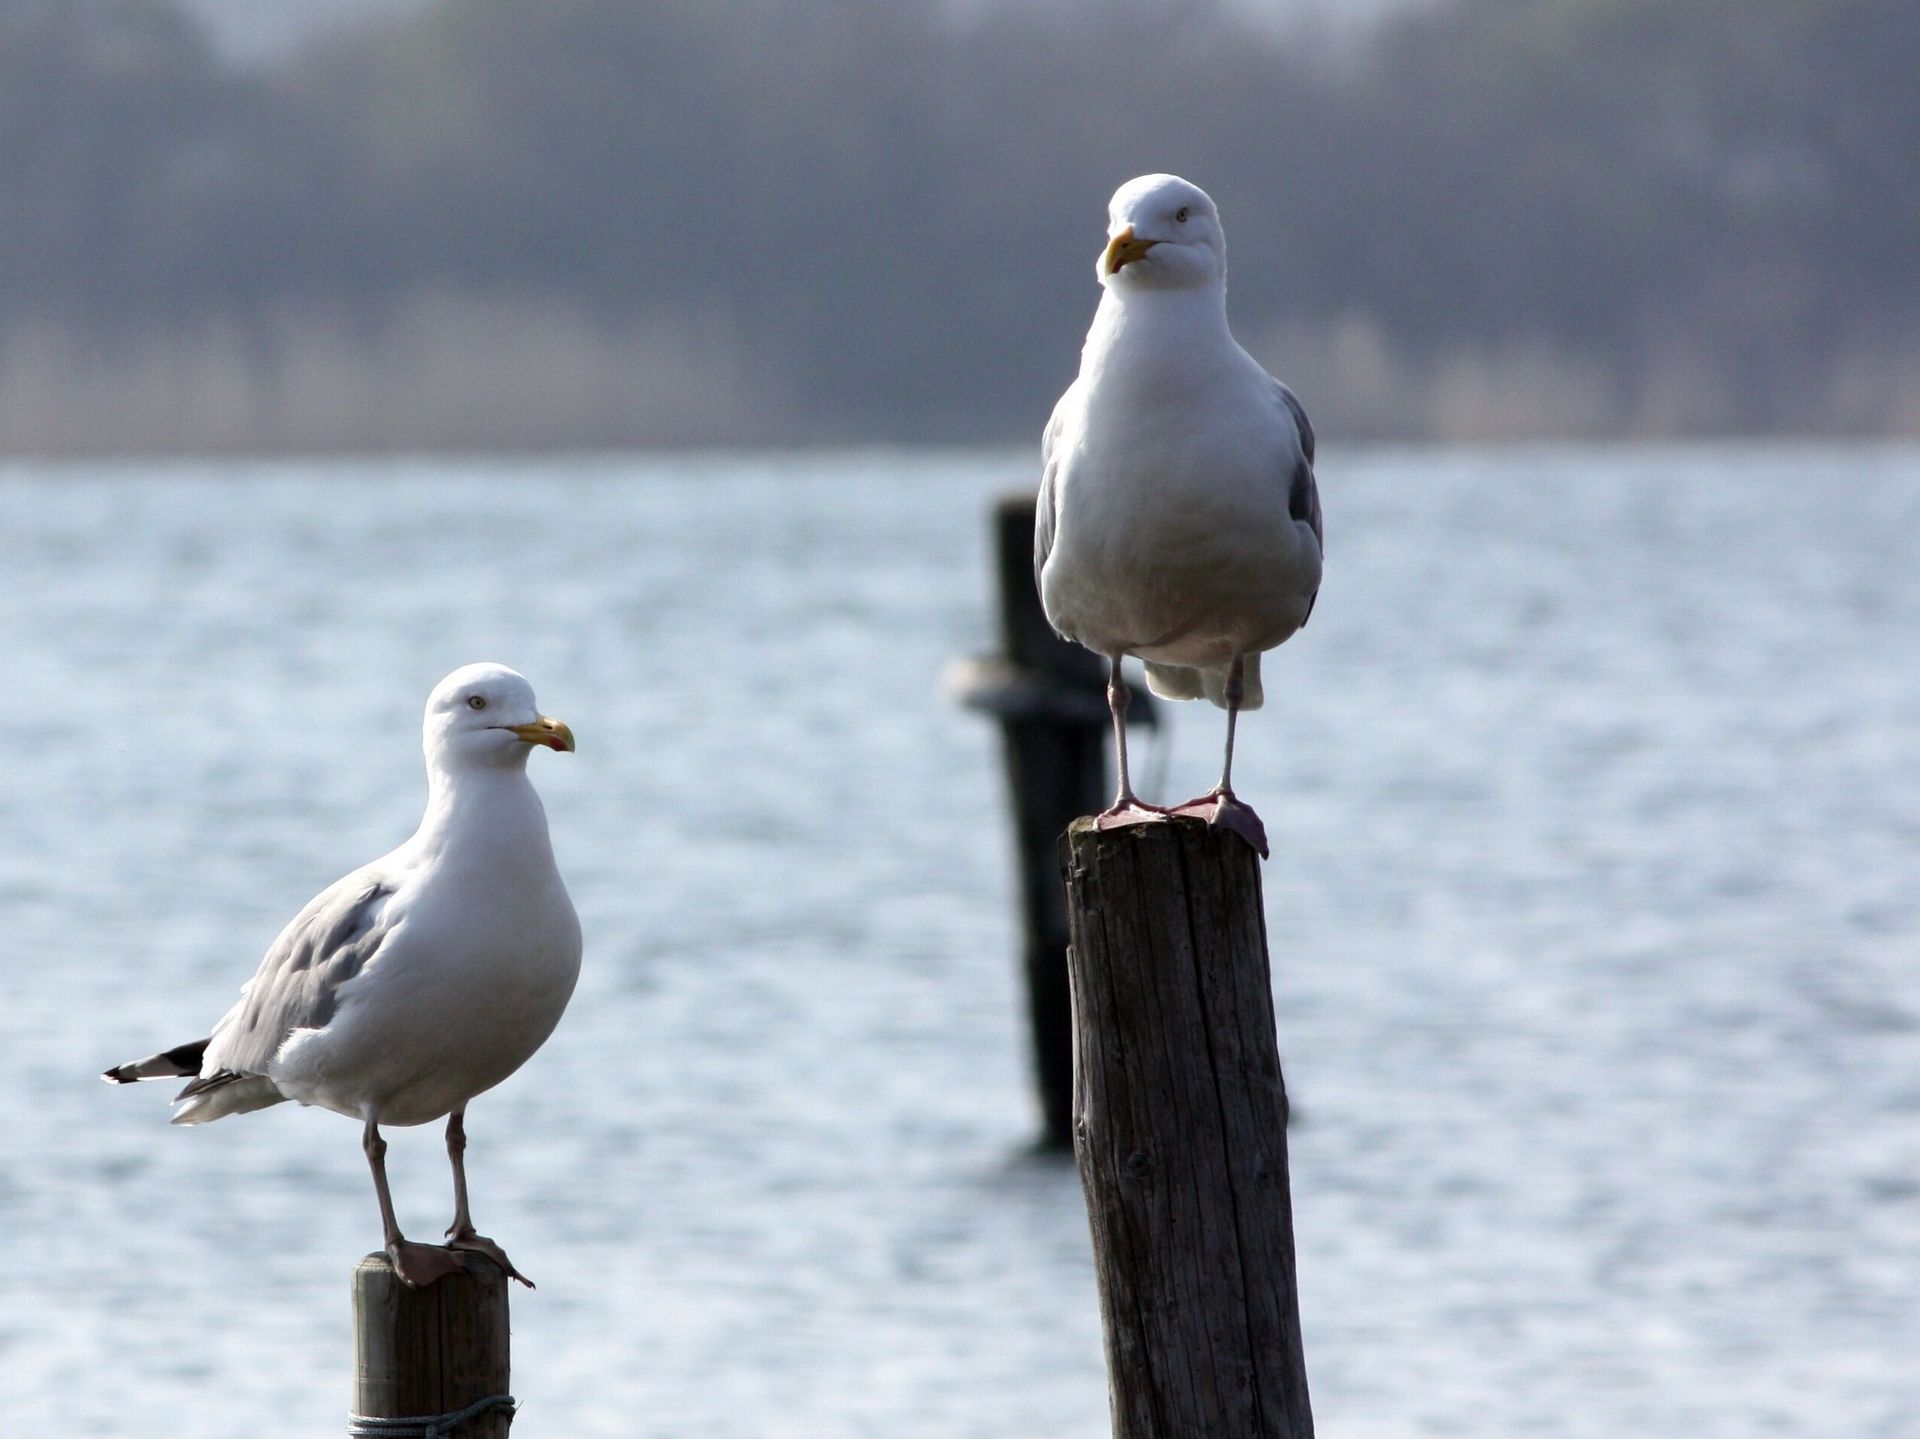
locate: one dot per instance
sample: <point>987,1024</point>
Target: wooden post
<point>1051,699</point>
<point>1181,1133</point>
<point>421,1353</point>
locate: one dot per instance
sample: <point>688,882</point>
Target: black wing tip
<point>1300,496</point>
<point>180,1062</point>
<point>219,1079</point>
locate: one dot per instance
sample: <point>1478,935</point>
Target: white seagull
<point>420,980</point>
<point>1178,517</point>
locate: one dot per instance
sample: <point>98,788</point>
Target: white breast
<point>1173,538</point>
<point>473,978</point>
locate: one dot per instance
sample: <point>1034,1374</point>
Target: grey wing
<point>298,983</point>
<point>1299,412</point>
<point>1303,494</point>
<point>1046,509</point>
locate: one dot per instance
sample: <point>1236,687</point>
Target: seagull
<point>1178,517</point>
<point>420,980</point>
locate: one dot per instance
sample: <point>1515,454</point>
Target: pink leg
<point>460,1233</point>
<point>418,1265</point>
<point>1127,808</point>
<point>1219,807</point>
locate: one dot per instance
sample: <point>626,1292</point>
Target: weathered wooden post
<point>430,1362</point>
<point>1051,700</point>
<point>1181,1133</point>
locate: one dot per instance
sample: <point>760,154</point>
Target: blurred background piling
<point>1050,698</point>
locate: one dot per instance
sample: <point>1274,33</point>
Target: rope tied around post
<point>425,1426</point>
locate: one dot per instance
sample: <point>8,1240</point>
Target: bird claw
<point>1129,811</point>
<point>480,1244</point>
<point>1222,811</point>
<point>419,1265</point>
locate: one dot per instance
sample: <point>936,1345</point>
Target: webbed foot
<point>419,1265</point>
<point>1221,810</point>
<point>480,1244</point>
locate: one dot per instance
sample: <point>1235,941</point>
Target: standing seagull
<point>420,980</point>
<point>1178,516</point>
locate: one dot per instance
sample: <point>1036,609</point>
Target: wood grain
<point>1181,1134</point>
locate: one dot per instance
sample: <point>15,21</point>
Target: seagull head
<point>1162,233</point>
<point>484,714</point>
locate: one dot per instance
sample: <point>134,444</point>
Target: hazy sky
<point>266,27</point>
<point>263,27</point>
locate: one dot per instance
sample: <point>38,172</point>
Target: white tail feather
<point>1182,682</point>
<point>238,1097</point>
<point>1173,682</point>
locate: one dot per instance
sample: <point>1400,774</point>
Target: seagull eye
<point>1181,214</point>
<point>475,702</point>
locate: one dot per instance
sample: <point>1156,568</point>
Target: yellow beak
<point>1124,248</point>
<point>549,732</point>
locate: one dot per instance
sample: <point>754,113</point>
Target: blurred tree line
<point>603,221</point>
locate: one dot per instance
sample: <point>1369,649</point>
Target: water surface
<point>1594,788</point>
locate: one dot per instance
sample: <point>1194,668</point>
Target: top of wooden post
<point>435,1350</point>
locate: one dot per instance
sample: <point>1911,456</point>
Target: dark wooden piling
<point>421,1353</point>
<point>1181,1134</point>
<point>1051,700</point>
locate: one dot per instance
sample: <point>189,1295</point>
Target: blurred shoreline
<point>477,377</point>
<point>492,226</point>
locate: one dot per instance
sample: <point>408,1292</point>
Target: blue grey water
<point>1594,788</point>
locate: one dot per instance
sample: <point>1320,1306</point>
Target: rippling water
<point>1595,796</point>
